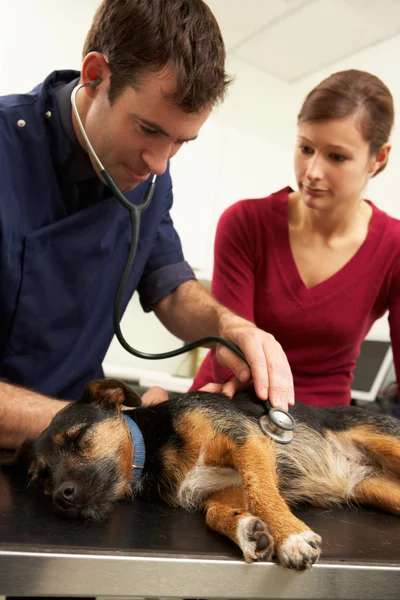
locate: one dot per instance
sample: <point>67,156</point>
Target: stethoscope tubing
<point>135,211</point>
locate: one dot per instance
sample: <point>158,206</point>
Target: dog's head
<point>84,458</point>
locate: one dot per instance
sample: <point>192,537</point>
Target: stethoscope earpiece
<point>95,83</point>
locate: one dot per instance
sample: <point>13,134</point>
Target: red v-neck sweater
<point>320,328</point>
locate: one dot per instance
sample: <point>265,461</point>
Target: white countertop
<point>147,378</point>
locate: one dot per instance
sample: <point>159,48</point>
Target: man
<point>153,70</point>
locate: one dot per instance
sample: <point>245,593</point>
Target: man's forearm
<point>24,414</point>
<point>190,312</point>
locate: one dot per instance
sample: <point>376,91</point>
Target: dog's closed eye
<point>70,439</point>
<point>40,476</point>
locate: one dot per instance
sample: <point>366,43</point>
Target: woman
<point>316,267</point>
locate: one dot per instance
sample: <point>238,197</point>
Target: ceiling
<point>290,39</point>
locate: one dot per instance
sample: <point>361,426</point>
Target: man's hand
<point>154,395</point>
<point>269,367</point>
<point>190,313</point>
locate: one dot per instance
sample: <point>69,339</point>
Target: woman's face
<point>332,163</point>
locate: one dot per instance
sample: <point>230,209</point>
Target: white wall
<point>39,36</point>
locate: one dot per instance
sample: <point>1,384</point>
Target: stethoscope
<point>276,423</point>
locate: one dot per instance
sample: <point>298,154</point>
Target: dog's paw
<point>300,550</point>
<point>254,539</point>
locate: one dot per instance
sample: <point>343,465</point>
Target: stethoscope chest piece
<point>278,425</point>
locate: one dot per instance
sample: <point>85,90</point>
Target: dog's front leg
<point>226,512</point>
<point>296,545</point>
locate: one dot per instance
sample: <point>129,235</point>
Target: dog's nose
<point>65,494</point>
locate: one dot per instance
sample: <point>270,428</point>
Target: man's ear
<point>109,394</point>
<point>23,459</point>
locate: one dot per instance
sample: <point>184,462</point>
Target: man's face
<point>141,130</point>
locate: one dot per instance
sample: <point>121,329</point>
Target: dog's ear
<point>23,459</point>
<point>110,394</point>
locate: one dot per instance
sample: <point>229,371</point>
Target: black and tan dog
<point>203,451</point>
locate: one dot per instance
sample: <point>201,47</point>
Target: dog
<point>204,451</point>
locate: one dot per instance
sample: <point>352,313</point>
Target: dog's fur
<point>206,452</point>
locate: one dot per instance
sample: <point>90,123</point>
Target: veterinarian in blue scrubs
<point>64,238</point>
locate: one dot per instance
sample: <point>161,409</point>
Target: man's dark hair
<point>143,36</point>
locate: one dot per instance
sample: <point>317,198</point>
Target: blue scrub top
<point>60,268</point>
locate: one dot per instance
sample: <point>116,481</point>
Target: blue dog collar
<point>139,450</point>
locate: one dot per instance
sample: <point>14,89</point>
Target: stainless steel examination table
<point>153,550</point>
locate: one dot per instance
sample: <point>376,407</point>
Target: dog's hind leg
<point>226,512</point>
<point>381,491</point>
<point>296,545</point>
<point>384,448</point>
